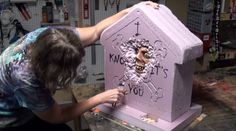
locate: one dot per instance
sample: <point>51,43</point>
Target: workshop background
<point>213,21</point>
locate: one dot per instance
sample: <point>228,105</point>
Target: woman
<point>34,66</point>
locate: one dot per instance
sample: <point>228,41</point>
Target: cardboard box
<point>201,5</point>
<point>199,21</point>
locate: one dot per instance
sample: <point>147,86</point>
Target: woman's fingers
<point>122,90</point>
<point>153,4</point>
<point>121,94</point>
<point>114,96</point>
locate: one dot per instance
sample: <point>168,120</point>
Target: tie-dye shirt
<point>20,91</point>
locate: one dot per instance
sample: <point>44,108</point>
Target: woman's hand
<point>152,4</point>
<point>89,35</point>
<point>148,3</point>
<point>111,96</point>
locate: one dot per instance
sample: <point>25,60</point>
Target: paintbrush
<point>120,86</point>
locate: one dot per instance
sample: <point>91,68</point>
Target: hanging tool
<point>96,4</point>
<point>1,33</point>
<point>117,5</point>
<point>105,2</point>
<point>23,11</point>
<point>215,49</point>
<point>86,9</point>
<point>112,2</point>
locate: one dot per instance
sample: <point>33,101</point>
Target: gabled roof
<point>179,40</point>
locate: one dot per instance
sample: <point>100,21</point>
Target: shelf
<point>222,63</point>
<point>67,23</point>
<point>22,1</point>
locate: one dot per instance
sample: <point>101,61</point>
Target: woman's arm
<point>58,114</point>
<point>89,35</point>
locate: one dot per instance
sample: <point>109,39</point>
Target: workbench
<point>215,90</point>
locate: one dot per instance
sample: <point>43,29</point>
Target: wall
<point>179,8</point>
<point>96,52</point>
<point>35,11</point>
